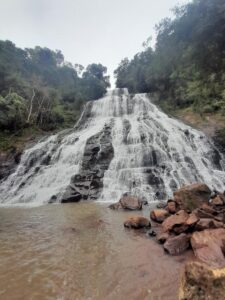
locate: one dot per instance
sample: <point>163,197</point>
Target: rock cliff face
<point>88,183</point>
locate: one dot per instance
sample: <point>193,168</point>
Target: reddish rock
<point>192,219</point>
<point>207,224</point>
<point>171,206</point>
<point>130,203</point>
<point>217,201</point>
<point>177,244</point>
<point>202,214</point>
<point>161,238</point>
<point>208,246</point>
<point>159,215</point>
<point>192,196</point>
<point>199,282</point>
<point>137,222</point>
<point>177,220</point>
<point>180,228</point>
<point>208,209</point>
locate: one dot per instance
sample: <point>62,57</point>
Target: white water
<point>153,155</point>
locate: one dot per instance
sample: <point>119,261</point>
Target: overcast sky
<point>86,31</point>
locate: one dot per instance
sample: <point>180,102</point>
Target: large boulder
<point>176,221</point>
<point>137,222</point>
<point>176,245</point>
<point>200,282</point>
<point>130,203</point>
<point>209,246</point>
<point>192,196</point>
<point>159,215</point>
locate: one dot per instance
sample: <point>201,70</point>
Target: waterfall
<point>122,144</point>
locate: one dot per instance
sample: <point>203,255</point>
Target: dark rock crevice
<point>88,183</point>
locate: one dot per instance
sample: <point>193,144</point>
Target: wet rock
<point>9,162</point>
<point>207,224</point>
<point>130,203</point>
<point>186,132</point>
<point>98,154</point>
<point>171,206</point>
<point>69,197</point>
<point>53,199</point>
<point>199,282</point>
<point>192,196</point>
<point>137,222</point>
<point>115,206</point>
<point>162,237</point>
<point>177,220</point>
<point>161,205</point>
<point>177,244</point>
<point>159,215</point>
<point>209,246</point>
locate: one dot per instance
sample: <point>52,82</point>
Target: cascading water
<point>122,143</point>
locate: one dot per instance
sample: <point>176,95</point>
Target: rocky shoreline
<point>194,218</point>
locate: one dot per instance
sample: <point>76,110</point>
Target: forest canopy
<point>186,68</point>
<point>39,88</point>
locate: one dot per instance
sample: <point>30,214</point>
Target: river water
<point>81,251</point>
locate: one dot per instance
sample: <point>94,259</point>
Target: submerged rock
<point>137,222</point>
<point>200,282</point>
<point>131,203</point>
<point>115,206</point>
<point>127,202</point>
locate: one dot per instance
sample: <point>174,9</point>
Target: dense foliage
<point>39,89</point>
<point>187,66</point>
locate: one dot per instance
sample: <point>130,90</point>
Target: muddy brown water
<point>81,251</point>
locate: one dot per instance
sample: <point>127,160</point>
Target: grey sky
<point>86,31</point>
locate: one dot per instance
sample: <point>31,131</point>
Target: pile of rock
<point>195,217</point>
